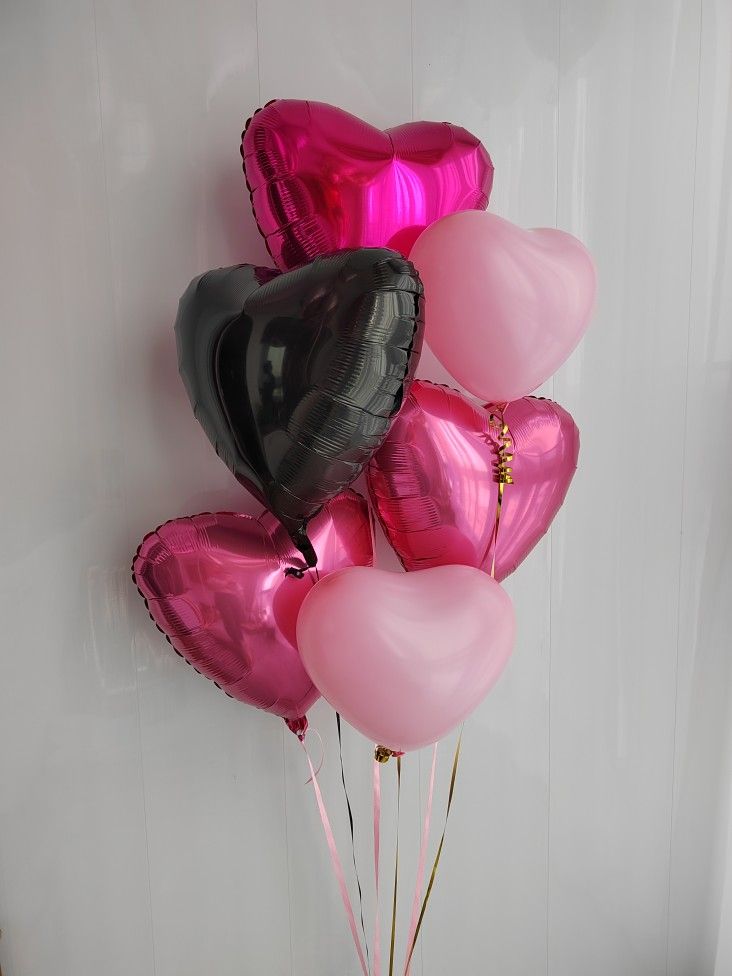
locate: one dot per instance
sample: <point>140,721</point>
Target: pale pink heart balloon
<point>504,307</point>
<point>221,588</point>
<point>405,657</point>
<point>434,481</point>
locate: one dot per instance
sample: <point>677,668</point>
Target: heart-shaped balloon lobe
<point>321,179</point>
<point>506,306</point>
<point>215,584</point>
<point>434,482</point>
<point>296,377</point>
<point>406,657</point>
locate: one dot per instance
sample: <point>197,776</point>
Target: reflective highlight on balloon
<point>434,485</point>
<point>296,377</point>
<point>406,657</point>
<point>506,306</point>
<point>215,584</point>
<point>321,179</point>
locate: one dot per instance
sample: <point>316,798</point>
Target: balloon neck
<point>383,755</point>
<point>298,726</point>
<point>300,538</point>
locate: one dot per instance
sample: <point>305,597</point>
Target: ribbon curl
<point>503,472</point>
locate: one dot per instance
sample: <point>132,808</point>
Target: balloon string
<point>353,838</point>
<point>336,863</point>
<point>422,856</point>
<point>436,861</point>
<point>377,844</point>
<point>504,476</point>
<point>314,732</point>
<point>396,868</point>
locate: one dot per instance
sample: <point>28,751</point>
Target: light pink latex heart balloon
<point>434,481</point>
<point>215,584</point>
<point>504,307</point>
<point>321,179</point>
<point>405,657</point>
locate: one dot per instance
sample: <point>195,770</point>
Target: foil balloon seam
<point>246,178</point>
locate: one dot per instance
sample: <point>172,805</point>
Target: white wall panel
<point>73,859</point>
<point>700,920</point>
<point>150,825</point>
<point>627,144</point>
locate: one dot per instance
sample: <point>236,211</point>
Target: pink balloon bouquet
<point>504,307</point>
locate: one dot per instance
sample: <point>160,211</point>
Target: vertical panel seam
<point>683,494</point>
<point>551,534</point>
<point>259,56</point>
<point>411,46</point>
<point>419,753</point>
<point>125,505</point>
<point>287,852</point>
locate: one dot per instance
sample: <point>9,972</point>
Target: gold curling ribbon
<point>504,475</point>
<point>396,868</point>
<point>436,861</point>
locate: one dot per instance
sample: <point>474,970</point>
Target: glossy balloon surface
<point>506,306</point>
<point>215,584</point>
<point>321,179</point>
<point>296,377</point>
<point>406,657</point>
<point>434,481</point>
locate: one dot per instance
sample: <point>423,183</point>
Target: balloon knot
<point>383,755</point>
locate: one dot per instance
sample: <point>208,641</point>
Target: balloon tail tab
<point>298,726</point>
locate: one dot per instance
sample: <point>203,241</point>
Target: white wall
<point>150,825</point>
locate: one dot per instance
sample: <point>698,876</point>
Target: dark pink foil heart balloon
<point>215,584</point>
<point>434,481</point>
<point>321,179</point>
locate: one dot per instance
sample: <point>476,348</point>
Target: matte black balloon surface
<point>296,377</point>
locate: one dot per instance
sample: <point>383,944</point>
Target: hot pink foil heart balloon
<point>321,179</point>
<point>406,657</point>
<point>434,482</point>
<point>215,584</point>
<point>504,306</point>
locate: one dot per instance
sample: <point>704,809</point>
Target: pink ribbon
<point>336,863</point>
<point>377,831</point>
<point>422,863</point>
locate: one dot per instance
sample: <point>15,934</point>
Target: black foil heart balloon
<point>296,377</point>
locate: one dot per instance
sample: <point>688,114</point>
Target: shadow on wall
<point>703,802</point>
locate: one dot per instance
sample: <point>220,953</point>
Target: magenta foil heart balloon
<point>321,179</point>
<point>215,584</point>
<point>434,482</point>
